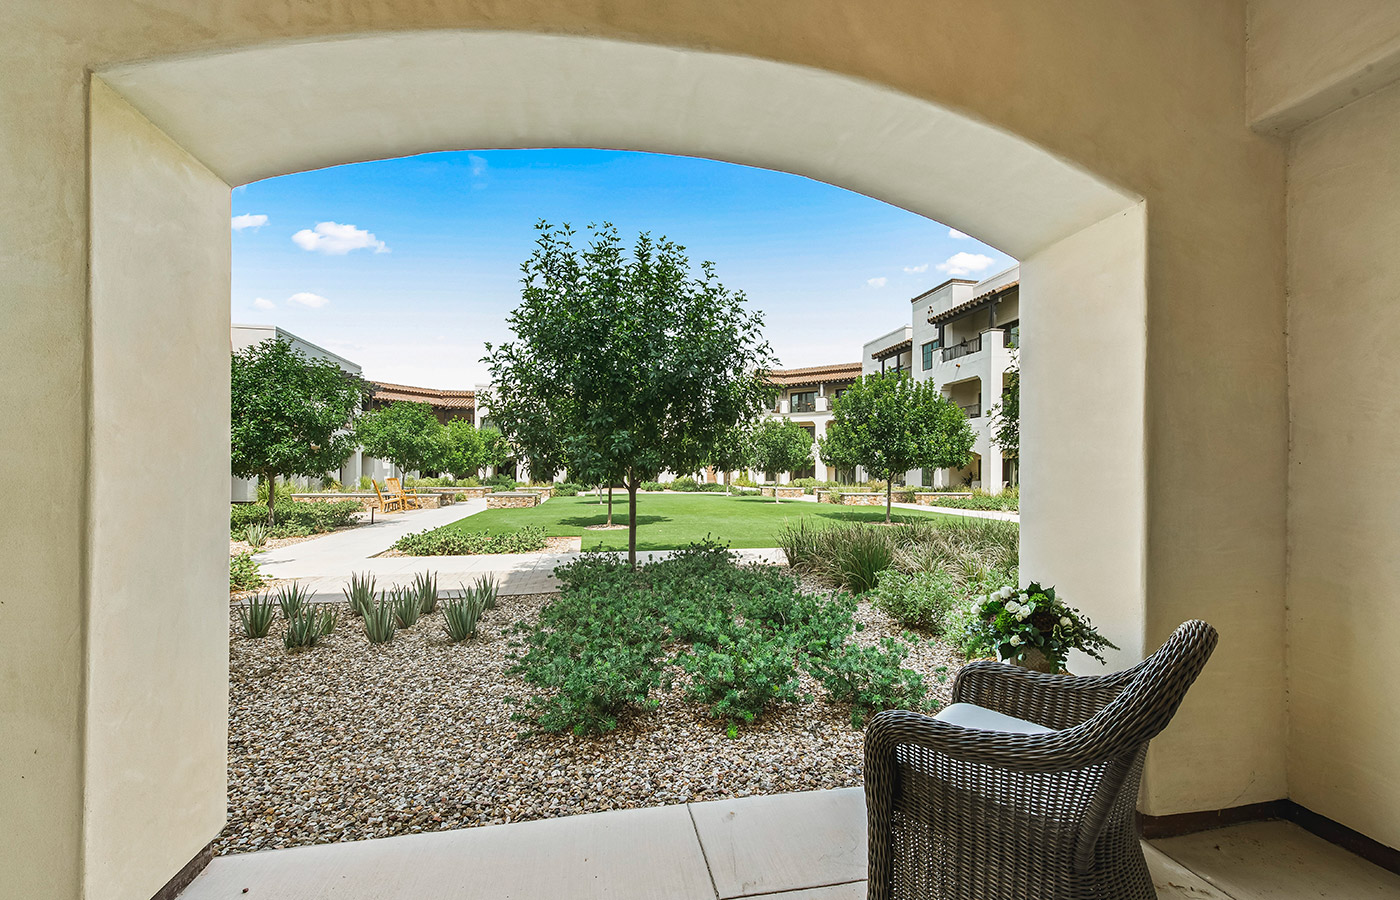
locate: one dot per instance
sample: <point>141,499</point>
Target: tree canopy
<point>624,365</point>
<point>290,415</point>
<point>780,445</point>
<point>464,449</point>
<point>889,424</point>
<point>407,435</point>
<point>1006,415</point>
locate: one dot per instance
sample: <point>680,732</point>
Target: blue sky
<point>408,266</point>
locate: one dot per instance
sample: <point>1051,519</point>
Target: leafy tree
<point>291,415</point>
<point>625,365</point>
<point>732,451</point>
<point>1006,415</point>
<point>495,449</point>
<point>890,424</point>
<point>463,448</point>
<point>781,446</point>
<point>406,434</point>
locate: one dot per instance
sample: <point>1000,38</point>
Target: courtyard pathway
<point>326,563</point>
<point>799,846</point>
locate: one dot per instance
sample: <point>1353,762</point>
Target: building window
<point>804,402</point>
<point>928,356</point>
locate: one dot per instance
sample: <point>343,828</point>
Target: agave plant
<point>379,621</point>
<point>485,587</point>
<point>425,585</point>
<point>256,535</point>
<point>303,628</point>
<point>461,616</point>
<point>293,598</point>
<point>407,606</point>
<point>329,618</point>
<point>360,593</point>
<point>256,615</point>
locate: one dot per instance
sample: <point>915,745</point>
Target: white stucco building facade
<point>963,335</point>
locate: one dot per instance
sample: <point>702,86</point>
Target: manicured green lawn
<point>665,521</point>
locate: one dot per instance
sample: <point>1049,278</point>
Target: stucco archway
<point>169,137</point>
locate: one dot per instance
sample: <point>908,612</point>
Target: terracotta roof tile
<point>387,392</point>
<point>815,374</point>
<point>968,304</point>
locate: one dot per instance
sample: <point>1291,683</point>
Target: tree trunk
<point>610,490</point>
<point>726,484</point>
<point>271,499</point>
<point>632,521</point>
<point>889,495</point>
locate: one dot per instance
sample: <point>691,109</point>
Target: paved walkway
<point>800,846</point>
<point>946,510</point>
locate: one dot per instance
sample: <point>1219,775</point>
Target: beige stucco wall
<point>1149,97</point>
<point>157,625</point>
<point>1344,521</point>
<point>1308,57</point>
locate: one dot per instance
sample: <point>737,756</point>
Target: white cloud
<point>957,235</point>
<point>877,282</point>
<point>248,220</point>
<point>263,303</point>
<point>305,298</point>
<point>921,267</point>
<point>965,264</point>
<point>478,165</point>
<point>335,239</point>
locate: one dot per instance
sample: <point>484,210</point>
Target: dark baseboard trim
<point>1369,849</point>
<point>182,878</point>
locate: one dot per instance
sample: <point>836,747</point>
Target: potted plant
<point>1032,628</point>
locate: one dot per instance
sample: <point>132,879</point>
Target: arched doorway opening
<point>170,137</point>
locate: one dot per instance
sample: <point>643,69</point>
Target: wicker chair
<point>959,813</point>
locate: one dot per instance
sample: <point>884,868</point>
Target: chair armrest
<point>1056,701</point>
<point>1056,751</point>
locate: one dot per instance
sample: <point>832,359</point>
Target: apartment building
<point>963,335</point>
<point>446,404</point>
<point>805,397</point>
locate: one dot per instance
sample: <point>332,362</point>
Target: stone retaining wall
<point>783,492</point>
<point>512,500</point>
<point>931,498</point>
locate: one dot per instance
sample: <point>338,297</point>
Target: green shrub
<point>922,600</point>
<point>243,573</point>
<point>684,483</point>
<point>256,615</point>
<point>295,518</point>
<point>740,675</point>
<point>330,617</point>
<point>710,487</point>
<point>653,486</point>
<point>360,593</point>
<point>407,606</point>
<point>379,621</point>
<point>501,482</point>
<point>1009,499</point>
<point>460,617</point>
<point>871,679</point>
<point>293,598</point>
<point>451,542</point>
<point>365,483</point>
<point>425,586</point>
<point>567,489</point>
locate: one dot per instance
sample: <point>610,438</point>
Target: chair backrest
<point>1152,691</point>
<point>393,486</point>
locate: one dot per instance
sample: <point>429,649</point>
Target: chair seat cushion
<point>970,715</point>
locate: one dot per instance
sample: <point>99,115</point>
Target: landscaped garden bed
<point>347,740</point>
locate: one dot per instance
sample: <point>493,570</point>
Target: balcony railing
<point>973,410</point>
<point>804,406</point>
<point>971,345</point>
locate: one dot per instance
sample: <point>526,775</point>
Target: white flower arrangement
<point>1013,623</point>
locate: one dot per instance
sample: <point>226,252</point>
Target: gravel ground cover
<point>347,740</point>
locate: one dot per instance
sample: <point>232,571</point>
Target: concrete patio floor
<point>801,846</point>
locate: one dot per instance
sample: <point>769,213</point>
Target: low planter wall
<point>783,492</point>
<point>931,498</point>
<point>544,493</point>
<point>512,500</point>
<point>861,498</point>
<point>365,499</point>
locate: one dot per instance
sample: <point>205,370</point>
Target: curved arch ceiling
<point>270,110</point>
